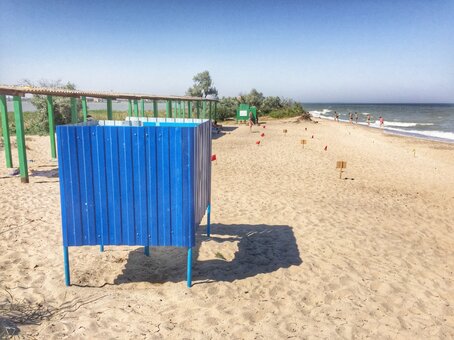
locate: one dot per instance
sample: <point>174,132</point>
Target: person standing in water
<point>350,115</point>
<point>336,116</point>
<point>356,117</point>
<point>368,120</point>
<point>382,121</point>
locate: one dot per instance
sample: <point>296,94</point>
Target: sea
<point>426,121</point>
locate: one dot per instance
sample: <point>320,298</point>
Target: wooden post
<point>155,108</point>
<point>109,109</point>
<point>50,114</point>
<point>136,108</point>
<point>73,110</point>
<point>129,108</point>
<point>341,165</point>
<point>142,107</point>
<point>5,131</point>
<point>20,139</point>
<point>84,108</point>
<point>303,142</point>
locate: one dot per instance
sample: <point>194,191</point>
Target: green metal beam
<point>155,108</point>
<point>204,109</point>
<point>209,110</point>
<point>183,113</point>
<point>136,108</point>
<point>109,109</point>
<point>5,130</point>
<point>189,109</point>
<point>84,108</point>
<point>215,111</point>
<point>169,109</point>
<point>73,110</point>
<point>197,106</point>
<point>20,139</point>
<point>50,115</point>
<point>142,106</point>
<point>129,108</point>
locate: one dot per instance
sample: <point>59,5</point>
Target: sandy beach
<point>295,252</point>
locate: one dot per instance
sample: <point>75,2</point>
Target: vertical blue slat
<point>62,179</point>
<point>140,185</point>
<point>100,185</point>
<point>176,185</point>
<point>188,187</point>
<point>152,186</point>
<point>126,184</point>
<point>113,185</point>
<point>88,209</point>
<point>162,158</point>
<point>74,186</point>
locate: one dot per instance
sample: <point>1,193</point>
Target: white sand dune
<point>296,252</point>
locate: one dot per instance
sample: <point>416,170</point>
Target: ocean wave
<point>402,124</point>
<point>427,134</point>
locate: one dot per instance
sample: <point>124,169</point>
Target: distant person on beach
<point>356,117</point>
<point>368,119</point>
<point>351,117</point>
<point>336,116</point>
<point>251,121</point>
<point>382,122</point>
<point>257,118</point>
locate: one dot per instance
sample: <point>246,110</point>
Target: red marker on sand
<point>264,126</point>
<point>257,142</point>
<point>213,157</point>
<point>262,135</point>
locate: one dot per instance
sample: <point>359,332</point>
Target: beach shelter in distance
<point>242,112</point>
<point>139,183</point>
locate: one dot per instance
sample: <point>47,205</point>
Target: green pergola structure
<point>176,107</point>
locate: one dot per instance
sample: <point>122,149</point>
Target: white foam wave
<point>320,114</point>
<point>402,124</point>
<point>427,134</point>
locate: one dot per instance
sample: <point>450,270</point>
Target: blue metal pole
<point>66,261</point>
<point>101,248</point>
<point>189,273</point>
<point>146,250</point>
<point>208,219</point>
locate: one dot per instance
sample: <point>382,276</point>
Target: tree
<point>62,107</point>
<point>203,86</point>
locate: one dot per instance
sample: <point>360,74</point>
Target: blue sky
<point>312,51</point>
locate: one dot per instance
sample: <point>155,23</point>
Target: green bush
<point>294,110</point>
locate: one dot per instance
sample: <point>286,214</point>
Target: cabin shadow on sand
<point>261,249</point>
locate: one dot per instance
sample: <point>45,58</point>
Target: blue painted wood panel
<point>134,185</point>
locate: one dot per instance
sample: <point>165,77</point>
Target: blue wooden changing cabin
<point>138,183</point>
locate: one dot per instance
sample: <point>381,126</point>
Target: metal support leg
<point>146,250</point>
<point>66,262</point>
<point>189,273</point>
<point>101,248</point>
<point>208,219</point>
